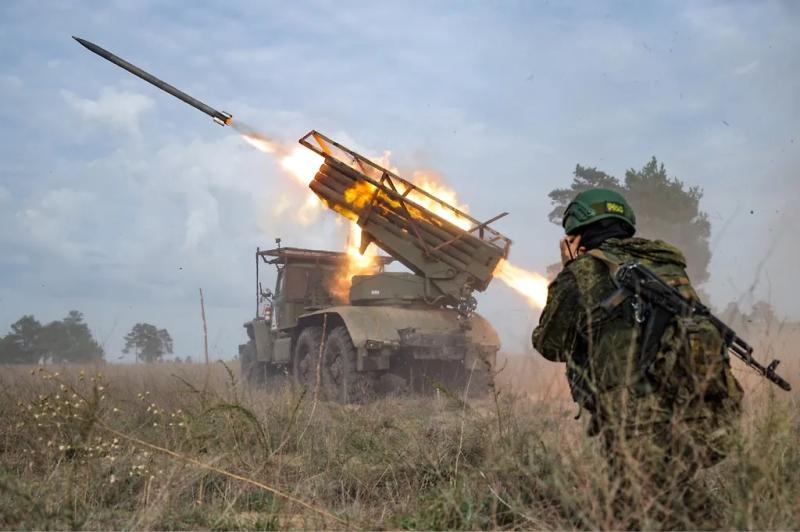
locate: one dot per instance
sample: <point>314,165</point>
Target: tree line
<point>71,341</point>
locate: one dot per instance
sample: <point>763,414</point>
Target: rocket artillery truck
<point>399,331</point>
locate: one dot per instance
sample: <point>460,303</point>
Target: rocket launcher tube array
<point>457,261</point>
<point>373,173</point>
<point>336,181</point>
<point>336,198</point>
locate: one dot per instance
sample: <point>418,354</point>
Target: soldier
<point>661,395</point>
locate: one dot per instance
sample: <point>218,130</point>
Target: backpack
<point>683,360</point>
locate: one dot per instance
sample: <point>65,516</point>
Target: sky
<point>121,202</point>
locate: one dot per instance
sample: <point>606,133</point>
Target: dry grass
<point>147,447</point>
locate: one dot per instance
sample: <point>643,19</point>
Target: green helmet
<point>596,204</point>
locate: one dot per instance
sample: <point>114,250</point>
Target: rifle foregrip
<point>780,381</point>
<point>770,374</point>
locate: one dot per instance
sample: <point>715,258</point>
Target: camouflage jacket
<point>601,348</point>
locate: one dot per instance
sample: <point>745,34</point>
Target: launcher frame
<point>330,149</point>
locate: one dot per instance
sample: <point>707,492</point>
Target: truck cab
<point>305,282</point>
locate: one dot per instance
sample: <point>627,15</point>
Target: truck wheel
<point>253,372</point>
<point>341,380</point>
<point>473,380</point>
<point>306,354</point>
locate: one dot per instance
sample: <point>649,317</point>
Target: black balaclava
<point>595,234</point>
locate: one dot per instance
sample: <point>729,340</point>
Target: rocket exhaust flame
<point>301,164</point>
<point>531,285</point>
<point>256,139</point>
<point>356,264</point>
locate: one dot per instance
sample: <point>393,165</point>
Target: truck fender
<point>370,325</point>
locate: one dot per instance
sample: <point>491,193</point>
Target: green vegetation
<point>169,447</point>
<point>664,208</point>
<point>68,340</point>
<point>148,342</point>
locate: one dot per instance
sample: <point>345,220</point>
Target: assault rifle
<point>648,290</point>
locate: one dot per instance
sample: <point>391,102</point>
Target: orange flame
<point>302,164</point>
<point>296,161</point>
<point>431,185</point>
<point>356,264</point>
<point>530,284</point>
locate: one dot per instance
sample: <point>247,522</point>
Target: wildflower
<point>112,479</point>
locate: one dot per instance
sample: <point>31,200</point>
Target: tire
<point>341,380</point>
<point>253,371</point>
<point>306,355</point>
<point>452,378</point>
<point>473,381</point>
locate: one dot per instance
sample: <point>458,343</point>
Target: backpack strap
<point>618,296</point>
<point>605,258</point>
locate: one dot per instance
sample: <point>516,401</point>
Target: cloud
<point>120,110</point>
<point>746,68</point>
<point>51,221</point>
<point>10,82</point>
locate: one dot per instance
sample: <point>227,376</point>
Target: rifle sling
<point>657,318</point>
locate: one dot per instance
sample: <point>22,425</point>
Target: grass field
<point>177,446</point>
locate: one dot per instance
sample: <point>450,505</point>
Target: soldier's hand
<point>571,249</point>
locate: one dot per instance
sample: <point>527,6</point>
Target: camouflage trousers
<point>654,454</point>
